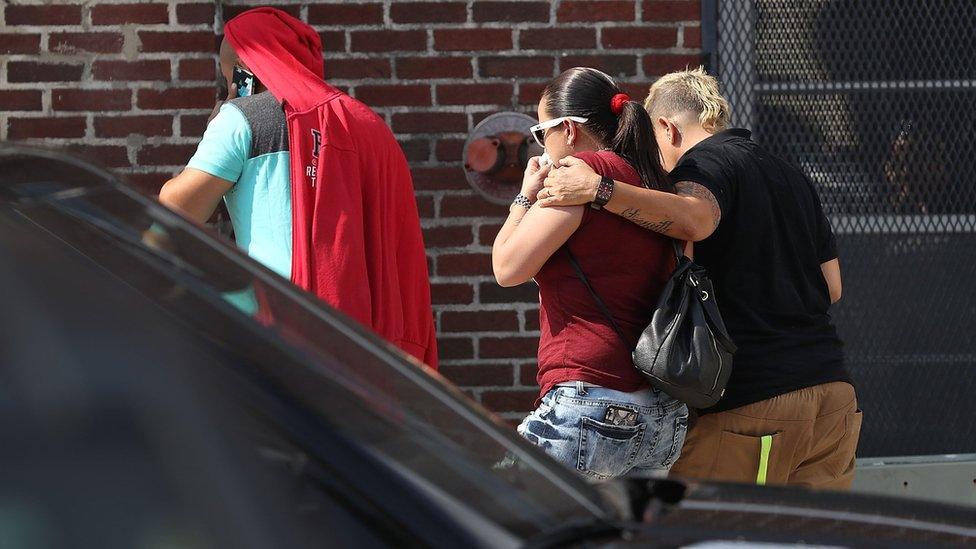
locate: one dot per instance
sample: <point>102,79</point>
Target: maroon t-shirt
<point>627,266</point>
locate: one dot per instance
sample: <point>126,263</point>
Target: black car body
<point>158,387</point>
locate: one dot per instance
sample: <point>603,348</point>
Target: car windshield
<point>398,410</point>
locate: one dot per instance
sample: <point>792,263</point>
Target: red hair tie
<point>617,103</point>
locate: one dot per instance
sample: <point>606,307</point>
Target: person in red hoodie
<point>316,185</point>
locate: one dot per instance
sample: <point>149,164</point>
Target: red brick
<point>91,100</point>
<point>490,292</point>
<point>639,37</point>
<point>692,37</point>
<point>448,237</point>
<point>98,42</point>
<point>449,293</point>
<point>165,155</point>
<point>561,38</point>
<point>614,65</point>
<point>532,320</point>
<point>636,90</point>
<point>428,67</point>
<point>511,12</point>
<point>487,233</point>
<point>387,95</point>
<point>474,94</point>
<point>20,100</point>
<point>176,98</point>
<point>440,179</point>
<point>509,401</point>
<point>470,206</point>
<point>660,64</point>
<point>530,93</point>
<point>193,125</point>
<point>425,208</point>
<point>198,69</point>
<point>27,128</point>
<point>355,69</point>
<point>415,150</point>
<point>528,374</point>
<point>508,347</point>
<point>666,10</point>
<point>231,10</point>
<point>449,150</point>
<point>389,40</point>
<point>19,43</point>
<point>478,374</point>
<point>595,11</point>
<point>479,321</point>
<point>345,14</point>
<point>428,12</point>
<point>149,183</point>
<point>121,14</point>
<point>29,71</point>
<point>429,122</point>
<point>48,15</point>
<point>168,41</point>
<point>455,348</point>
<point>515,67</point>
<point>155,69</point>
<point>110,156</point>
<point>332,41</point>
<point>477,117</point>
<point>195,14</point>
<point>123,126</point>
<point>472,39</point>
<point>465,264</point>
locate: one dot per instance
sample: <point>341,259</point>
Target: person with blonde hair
<point>789,413</point>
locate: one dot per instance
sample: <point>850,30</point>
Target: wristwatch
<point>603,193</point>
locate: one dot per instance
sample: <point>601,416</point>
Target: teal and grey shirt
<point>247,144</point>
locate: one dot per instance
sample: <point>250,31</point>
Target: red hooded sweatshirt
<point>356,240</point>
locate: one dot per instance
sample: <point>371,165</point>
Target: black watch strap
<point>603,193</point>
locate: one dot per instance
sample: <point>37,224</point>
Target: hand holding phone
<point>245,81</point>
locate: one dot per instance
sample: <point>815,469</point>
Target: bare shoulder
<point>699,191</point>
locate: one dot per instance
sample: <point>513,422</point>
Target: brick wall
<point>131,85</point>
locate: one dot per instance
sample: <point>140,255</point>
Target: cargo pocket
<point>749,459</point>
<point>608,451</point>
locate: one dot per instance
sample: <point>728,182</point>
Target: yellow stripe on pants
<point>767,445</point>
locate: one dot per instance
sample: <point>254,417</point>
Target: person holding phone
<point>317,188</point>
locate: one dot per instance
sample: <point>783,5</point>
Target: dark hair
<point>588,93</point>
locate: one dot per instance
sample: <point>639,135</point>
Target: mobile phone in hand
<point>245,81</point>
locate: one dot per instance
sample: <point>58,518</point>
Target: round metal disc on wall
<point>495,154</point>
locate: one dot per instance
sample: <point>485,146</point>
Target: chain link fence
<point>876,101</point>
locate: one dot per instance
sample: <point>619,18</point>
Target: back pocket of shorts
<point>608,451</point>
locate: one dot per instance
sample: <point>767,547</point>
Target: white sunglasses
<point>539,130</point>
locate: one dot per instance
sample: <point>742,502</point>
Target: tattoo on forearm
<point>688,188</point>
<point>634,216</point>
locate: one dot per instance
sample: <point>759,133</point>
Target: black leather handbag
<point>686,350</point>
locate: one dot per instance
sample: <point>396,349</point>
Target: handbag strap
<point>599,302</point>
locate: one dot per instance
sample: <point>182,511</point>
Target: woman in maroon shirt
<point>596,414</point>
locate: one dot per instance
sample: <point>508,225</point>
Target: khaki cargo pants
<point>805,438</point>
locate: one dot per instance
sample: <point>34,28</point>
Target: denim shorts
<point>571,425</point>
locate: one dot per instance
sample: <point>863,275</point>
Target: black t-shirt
<point>764,260</point>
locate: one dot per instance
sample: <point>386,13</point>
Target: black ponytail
<point>589,93</point>
<point>635,142</point>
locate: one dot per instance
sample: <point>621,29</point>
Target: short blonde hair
<point>691,91</point>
